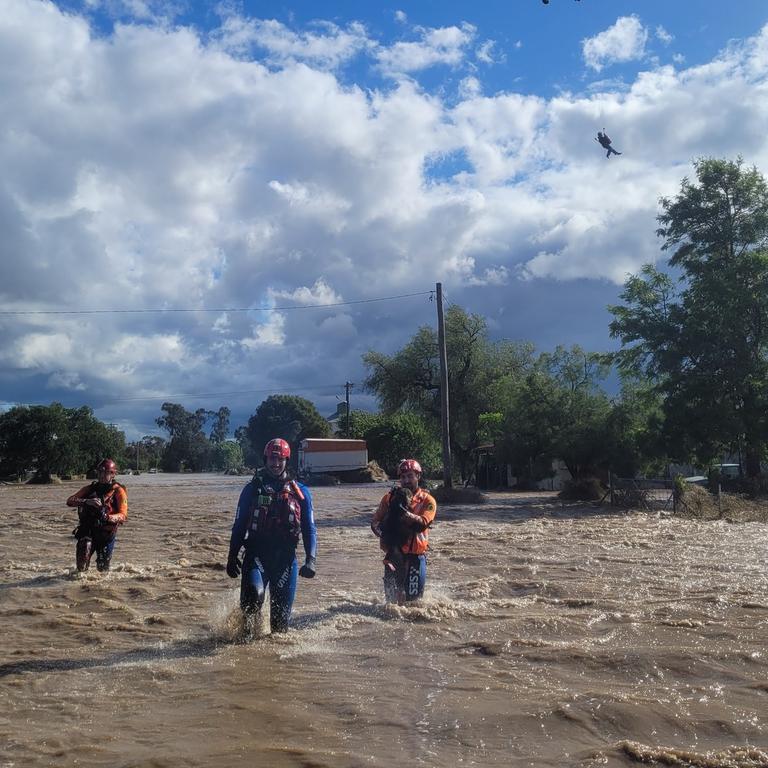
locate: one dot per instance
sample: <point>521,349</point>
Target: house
<point>337,420</point>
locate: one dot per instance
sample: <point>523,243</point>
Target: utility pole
<point>347,386</point>
<point>444,406</point>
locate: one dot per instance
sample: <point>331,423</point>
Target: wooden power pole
<point>444,406</point>
<point>347,386</point>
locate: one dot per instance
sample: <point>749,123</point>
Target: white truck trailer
<point>320,455</point>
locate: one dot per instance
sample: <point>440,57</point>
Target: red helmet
<point>408,465</point>
<point>107,465</point>
<point>278,446</point>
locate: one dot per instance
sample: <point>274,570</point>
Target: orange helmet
<point>408,465</point>
<point>107,465</point>
<point>278,446</point>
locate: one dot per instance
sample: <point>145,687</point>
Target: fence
<point>647,493</point>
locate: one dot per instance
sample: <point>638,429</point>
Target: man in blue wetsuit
<point>273,513</point>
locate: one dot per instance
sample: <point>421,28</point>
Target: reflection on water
<point>548,636</point>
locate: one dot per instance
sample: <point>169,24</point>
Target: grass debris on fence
<point>696,502</point>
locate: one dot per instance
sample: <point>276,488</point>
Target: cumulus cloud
<point>624,41</point>
<point>270,333</point>
<point>470,87</point>
<point>328,47</point>
<point>158,167</point>
<point>442,45</point>
<point>663,35</point>
<point>487,52</point>
<point>157,11</point>
<point>319,294</point>
<point>491,276</point>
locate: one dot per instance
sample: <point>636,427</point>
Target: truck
<point>327,455</point>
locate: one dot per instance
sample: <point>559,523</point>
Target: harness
<point>88,517</point>
<point>108,495</point>
<point>276,512</point>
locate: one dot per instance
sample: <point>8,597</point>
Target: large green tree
<point>703,338</point>
<point>392,437</point>
<point>634,432</point>
<point>288,416</point>
<point>188,447</point>
<point>227,455</point>
<point>479,372</point>
<point>52,439</point>
<point>251,456</point>
<point>220,427</point>
<point>557,411</point>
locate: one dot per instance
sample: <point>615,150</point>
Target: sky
<point>272,175</point>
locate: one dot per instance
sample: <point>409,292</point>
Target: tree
<point>17,452</point>
<point>220,427</point>
<point>52,439</point>
<point>361,422</point>
<point>251,457</point>
<point>227,455</point>
<point>705,342</point>
<point>634,431</point>
<point>88,440</point>
<point>391,438</point>
<point>288,416</point>
<point>558,412</point>
<point>479,372</point>
<point>188,447</point>
<point>150,449</point>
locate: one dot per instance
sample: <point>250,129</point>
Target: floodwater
<point>549,636</point>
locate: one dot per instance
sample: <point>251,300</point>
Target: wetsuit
<point>265,524</point>
<point>97,528</point>
<point>605,143</point>
<point>407,580</point>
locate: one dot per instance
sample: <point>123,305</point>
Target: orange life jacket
<point>423,505</point>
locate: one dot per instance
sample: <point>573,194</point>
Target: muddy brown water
<point>549,636</point>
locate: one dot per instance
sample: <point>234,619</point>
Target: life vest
<point>88,516</point>
<point>276,513</point>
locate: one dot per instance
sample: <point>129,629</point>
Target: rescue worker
<point>405,567</point>
<point>273,512</point>
<point>102,506</point>
<point>603,140</point>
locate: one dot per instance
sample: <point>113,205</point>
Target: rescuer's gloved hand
<point>233,567</point>
<point>103,517</point>
<point>308,569</point>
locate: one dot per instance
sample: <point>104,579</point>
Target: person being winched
<point>102,506</point>
<point>402,522</point>
<point>273,513</point>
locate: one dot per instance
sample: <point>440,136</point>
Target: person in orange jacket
<point>102,506</point>
<point>403,531</point>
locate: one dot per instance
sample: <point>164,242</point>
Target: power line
<point>205,395</point>
<point>218,309</point>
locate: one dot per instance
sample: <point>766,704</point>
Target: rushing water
<point>549,636</point>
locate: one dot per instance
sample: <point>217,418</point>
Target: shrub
<point>582,489</point>
<point>445,495</point>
